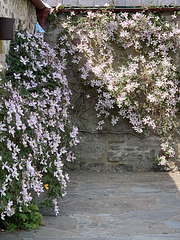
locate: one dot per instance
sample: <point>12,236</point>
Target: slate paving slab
<point>157,237</point>
<point>113,206</point>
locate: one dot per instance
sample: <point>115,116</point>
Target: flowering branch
<point>36,134</point>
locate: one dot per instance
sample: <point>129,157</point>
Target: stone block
<point>173,224</point>
<point>101,3</point>
<point>90,152</point>
<point>95,166</point>
<point>166,2</point>
<point>129,149</point>
<point>113,159</point>
<point>149,2</point>
<point>73,3</point>
<point>116,146</point>
<point>122,168</point>
<point>119,3</point>
<point>124,157</point>
<point>53,3</point>
<point>145,190</point>
<point>87,3</point>
<point>27,239</point>
<point>7,236</point>
<point>132,3</point>
<point>157,237</point>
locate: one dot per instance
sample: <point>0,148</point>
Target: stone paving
<point>113,206</point>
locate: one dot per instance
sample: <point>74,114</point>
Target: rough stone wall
<point>116,148</point>
<point>24,13</point>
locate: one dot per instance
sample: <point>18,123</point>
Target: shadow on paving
<point>113,206</point>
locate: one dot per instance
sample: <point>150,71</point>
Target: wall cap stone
<point>119,3</point>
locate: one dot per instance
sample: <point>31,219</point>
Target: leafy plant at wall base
<point>29,218</point>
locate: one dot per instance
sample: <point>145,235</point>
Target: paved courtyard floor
<point>113,206</point>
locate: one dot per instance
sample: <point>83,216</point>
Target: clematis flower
<point>24,60</point>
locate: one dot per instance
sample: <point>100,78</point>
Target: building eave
<point>43,9</point>
<point>39,4</point>
<point>118,9</point>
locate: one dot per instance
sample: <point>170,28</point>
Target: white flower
<point>24,60</point>
<point>56,208</point>
<point>9,209</point>
<point>17,76</point>
<point>3,215</point>
<point>163,161</point>
<point>114,120</point>
<point>1,67</point>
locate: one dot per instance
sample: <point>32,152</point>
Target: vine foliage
<point>130,61</point>
<point>36,134</point>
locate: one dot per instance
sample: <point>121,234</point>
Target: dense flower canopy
<point>35,130</point>
<point>130,61</point>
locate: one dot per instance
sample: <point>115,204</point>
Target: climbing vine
<point>36,134</point>
<point>130,61</point>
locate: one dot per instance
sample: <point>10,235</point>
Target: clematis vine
<point>128,59</point>
<point>36,134</point>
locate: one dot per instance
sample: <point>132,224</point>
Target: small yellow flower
<point>46,186</point>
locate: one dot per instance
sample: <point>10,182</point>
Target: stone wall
<point>24,13</point>
<point>116,148</point>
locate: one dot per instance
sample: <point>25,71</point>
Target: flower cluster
<point>168,153</point>
<point>128,59</point>
<point>35,131</point>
